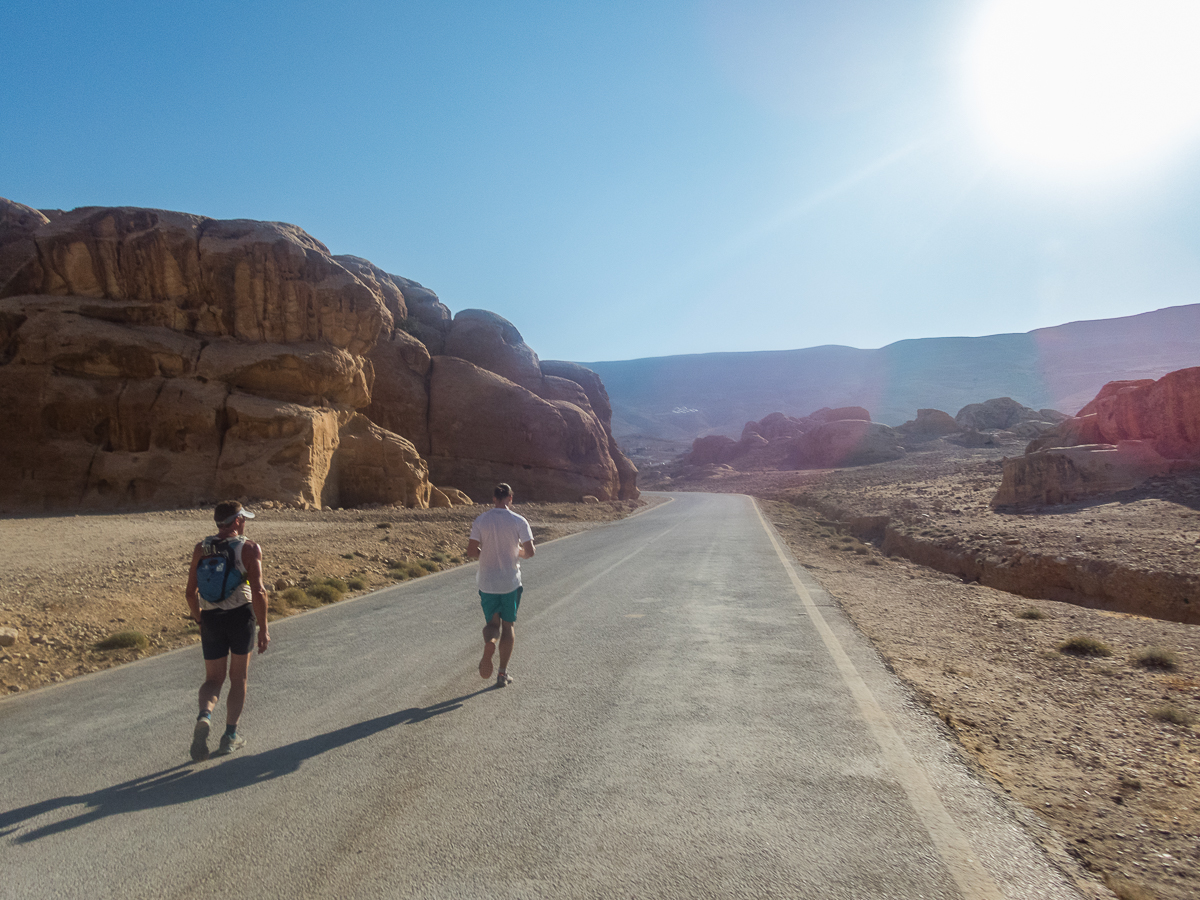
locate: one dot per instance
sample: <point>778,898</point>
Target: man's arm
<point>472,549</point>
<point>526,550</point>
<point>252,560</point>
<point>192,592</point>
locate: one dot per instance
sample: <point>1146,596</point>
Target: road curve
<point>692,717</point>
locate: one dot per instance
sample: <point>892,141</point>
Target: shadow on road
<point>183,783</point>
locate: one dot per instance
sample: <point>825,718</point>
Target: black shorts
<point>227,631</point>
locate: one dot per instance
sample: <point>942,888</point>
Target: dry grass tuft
<point>1084,645</point>
<point>1157,658</point>
<point>124,640</point>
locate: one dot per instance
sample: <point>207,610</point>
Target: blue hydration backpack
<point>217,574</point>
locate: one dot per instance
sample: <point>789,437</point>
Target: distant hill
<point>678,398</point>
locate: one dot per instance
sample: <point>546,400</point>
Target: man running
<point>227,625</point>
<point>500,539</point>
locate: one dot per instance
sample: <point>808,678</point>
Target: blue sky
<point>618,179</point>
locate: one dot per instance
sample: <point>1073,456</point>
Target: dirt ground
<point>74,581</point>
<point>1102,749</point>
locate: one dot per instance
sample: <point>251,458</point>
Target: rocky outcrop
<point>929,424</point>
<point>152,358</point>
<point>1005,414</point>
<point>847,442</point>
<point>1131,431</point>
<point>486,429</point>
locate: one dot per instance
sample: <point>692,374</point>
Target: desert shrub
<point>325,593</point>
<point>1032,612</point>
<point>124,640</point>
<point>1157,658</point>
<point>298,598</point>
<point>1173,714</point>
<point>357,583</point>
<point>439,556</point>
<point>334,582</point>
<point>398,574</point>
<point>429,565</point>
<point>347,556</point>
<point>1084,645</point>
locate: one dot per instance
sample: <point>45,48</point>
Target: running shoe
<point>230,743</point>
<point>200,740</point>
<point>503,679</point>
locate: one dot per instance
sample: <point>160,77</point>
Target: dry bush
<point>1084,645</point>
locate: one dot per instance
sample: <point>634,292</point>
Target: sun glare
<point>1085,89</point>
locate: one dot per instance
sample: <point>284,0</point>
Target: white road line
<point>952,845</point>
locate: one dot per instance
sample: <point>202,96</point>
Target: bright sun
<point>1086,89</point>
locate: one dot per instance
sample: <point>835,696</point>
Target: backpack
<point>217,573</point>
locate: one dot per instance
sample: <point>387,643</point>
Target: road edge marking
<point>952,845</point>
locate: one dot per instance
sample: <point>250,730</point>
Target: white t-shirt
<point>500,533</point>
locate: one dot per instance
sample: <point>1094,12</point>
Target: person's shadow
<point>183,784</point>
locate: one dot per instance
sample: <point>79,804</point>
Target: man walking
<point>226,597</point>
<point>500,539</point>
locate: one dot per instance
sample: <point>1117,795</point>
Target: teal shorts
<point>505,604</point>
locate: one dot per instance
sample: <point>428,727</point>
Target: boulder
<point>715,448</point>
<point>1073,473</point>
<point>374,466</point>
<point>930,423</point>
<point>776,426</point>
<point>845,442</point>
<point>492,342</point>
<point>995,415</point>
<point>8,636</point>
<point>485,429</point>
<point>456,497</point>
<point>400,397</point>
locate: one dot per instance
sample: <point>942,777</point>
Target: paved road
<point>692,717</point>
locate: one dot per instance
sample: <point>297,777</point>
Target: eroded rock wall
<point>151,358</point>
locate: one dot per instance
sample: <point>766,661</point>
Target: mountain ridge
<point>1058,367</point>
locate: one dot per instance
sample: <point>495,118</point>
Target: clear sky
<point>652,177</point>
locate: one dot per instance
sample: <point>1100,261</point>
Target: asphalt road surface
<point>691,717</point>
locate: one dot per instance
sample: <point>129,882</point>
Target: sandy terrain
<point>75,580</point>
<point>1078,741</point>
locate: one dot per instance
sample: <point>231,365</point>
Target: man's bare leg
<point>508,637</point>
<point>491,631</point>
<point>239,677</point>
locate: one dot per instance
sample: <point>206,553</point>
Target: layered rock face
<point>1131,431</point>
<point>152,358</point>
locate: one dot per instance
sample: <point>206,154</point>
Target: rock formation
<point>1131,431</point>
<point>827,438</point>
<point>845,442</point>
<point>152,358</point>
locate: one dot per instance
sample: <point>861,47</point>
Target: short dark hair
<point>501,491</point>
<point>228,510</point>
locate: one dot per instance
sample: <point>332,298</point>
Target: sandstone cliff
<point>152,359</point>
<point>1131,431</point>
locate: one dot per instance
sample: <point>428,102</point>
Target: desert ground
<point>1098,753</point>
